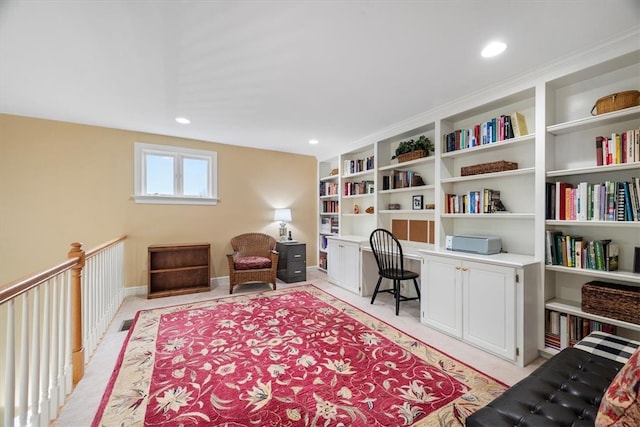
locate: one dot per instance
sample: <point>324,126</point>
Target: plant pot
<point>411,156</point>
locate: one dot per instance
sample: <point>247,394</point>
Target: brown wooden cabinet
<point>178,269</point>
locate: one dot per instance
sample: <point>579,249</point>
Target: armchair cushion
<point>251,262</point>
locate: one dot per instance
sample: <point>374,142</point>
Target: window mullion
<point>178,190</point>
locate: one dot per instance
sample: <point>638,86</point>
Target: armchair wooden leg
<point>415,283</point>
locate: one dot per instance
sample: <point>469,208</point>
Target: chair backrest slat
<point>386,250</point>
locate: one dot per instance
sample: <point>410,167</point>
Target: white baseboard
<point>137,291</point>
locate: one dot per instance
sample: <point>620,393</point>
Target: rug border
<point>113,377</point>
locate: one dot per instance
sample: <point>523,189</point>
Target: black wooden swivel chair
<point>388,253</point>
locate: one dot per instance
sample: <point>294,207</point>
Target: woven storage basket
<point>499,166</point>
<point>616,101</point>
<point>411,156</point>
<point>612,300</point>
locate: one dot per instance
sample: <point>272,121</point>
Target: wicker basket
<point>616,101</point>
<point>334,171</point>
<point>612,300</point>
<point>411,156</point>
<point>499,166</point>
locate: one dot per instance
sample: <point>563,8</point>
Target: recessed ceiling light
<point>313,141</point>
<point>493,49</point>
<point>183,120</point>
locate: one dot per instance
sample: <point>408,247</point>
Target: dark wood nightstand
<point>292,263</point>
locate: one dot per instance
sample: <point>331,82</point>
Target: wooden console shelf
<point>178,269</point>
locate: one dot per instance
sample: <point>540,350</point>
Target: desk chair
<point>388,253</point>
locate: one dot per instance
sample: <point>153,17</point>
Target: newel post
<point>77,346</point>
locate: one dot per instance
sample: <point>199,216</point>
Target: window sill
<point>168,200</point>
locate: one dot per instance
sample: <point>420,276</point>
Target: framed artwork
<point>417,202</point>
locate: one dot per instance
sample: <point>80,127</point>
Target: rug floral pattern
<point>294,357</point>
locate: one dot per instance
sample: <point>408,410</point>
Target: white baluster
<point>45,351</point>
<point>10,365</point>
<point>53,349</point>
<point>23,382</point>
<point>34,370</point>
<point>68,367</point>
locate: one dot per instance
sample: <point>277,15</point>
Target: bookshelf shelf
<point>409,164</point>
<point>406,189</point>
<point>592,122</point>
<point>358,196</point>
<point>406,211</point>
<point>358,174</point>
<point>498,215</point>
<point>618,275</point>
<point>573,308</point>
<point>487,176</point>
<point>570,223</point>
<point>500,145</point>
<point>594,169</point>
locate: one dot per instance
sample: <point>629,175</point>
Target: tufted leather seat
<point>565,391</point>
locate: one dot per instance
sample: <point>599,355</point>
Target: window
<point>175,175</point>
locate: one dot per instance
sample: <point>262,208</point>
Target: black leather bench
<point>565,391</point>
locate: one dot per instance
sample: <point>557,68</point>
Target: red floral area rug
<point>291,357</point>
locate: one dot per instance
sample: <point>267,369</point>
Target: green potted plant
<point>410,146</point>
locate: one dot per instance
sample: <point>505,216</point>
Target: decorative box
<point>394,206</point>
<point>612,300</point>
<point>499,166</point>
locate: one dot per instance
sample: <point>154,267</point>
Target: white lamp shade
<point>282,215</point>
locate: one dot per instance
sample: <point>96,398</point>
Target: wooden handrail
<point>17,287</point>
<point>24,284</point>
<point>94,251</point>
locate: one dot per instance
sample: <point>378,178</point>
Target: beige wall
<point>63,182</point>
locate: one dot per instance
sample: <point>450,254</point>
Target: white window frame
<point>141,149</point>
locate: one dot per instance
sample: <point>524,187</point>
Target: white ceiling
<point>274,74</point>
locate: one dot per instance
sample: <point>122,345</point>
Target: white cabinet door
<point>441,294</point>
<point>333,261</point>
<point>489,307</point>
<point>343,264</point>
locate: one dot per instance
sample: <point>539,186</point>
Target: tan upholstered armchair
<point>254,259</point>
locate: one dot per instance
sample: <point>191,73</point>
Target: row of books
<point>475,202</point>
<point>328,189</point>
<point>497,129</point>
<point>619,148</point>
<point>329,226</point>
<point>564,330</point>
<point>322,261</point>
<point>358,165</point>
<point>357,188</point>
<point>330,206</point>
<point>578,252</point>
<point>607,201</point>
<point>401,179</point>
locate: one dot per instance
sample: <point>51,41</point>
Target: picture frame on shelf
<point>417,202</point>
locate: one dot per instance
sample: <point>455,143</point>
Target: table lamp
<point>284,216</point>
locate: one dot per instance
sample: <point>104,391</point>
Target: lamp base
<point>283,231</point>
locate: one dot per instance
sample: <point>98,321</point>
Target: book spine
<point>599,157</point>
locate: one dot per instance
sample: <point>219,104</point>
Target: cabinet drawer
<point>296,268</point>
<point>295,253</point>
